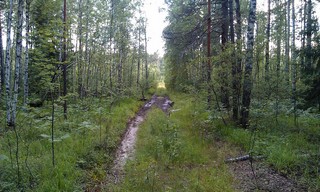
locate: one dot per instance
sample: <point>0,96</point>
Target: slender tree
<point>80,67</point>
<point>309,34</point>
<point>64,58</point>
<point>26,63</point>
<point>294,64</point>
<point>238,65</point>
<point>17,61</point>
<point>287,48</point>
<point>268,42</point>
<point>8,64</point>
<point>1,57</point>
<point>247,84</point>
<point>224,40</point>
<point>209,67</point>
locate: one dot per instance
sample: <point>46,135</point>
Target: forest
<point>232,105</point>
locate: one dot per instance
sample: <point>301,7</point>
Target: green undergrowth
<point>173,154</point>
<point>84,145</point>
<point>293,150</point>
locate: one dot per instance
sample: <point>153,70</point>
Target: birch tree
<point>8,64</point>
<point>26,63</point>
<point>17,61</point>
<point>1,56</point>
<point>238,65</point>
<point>267,55</point>
<point>64,58</point>
<point>294,64</point>
<point>247,84</point>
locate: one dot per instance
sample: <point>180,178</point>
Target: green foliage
<point>171,155</point>
<point>84,144</point>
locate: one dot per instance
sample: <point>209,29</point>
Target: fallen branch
<point>244,158</point>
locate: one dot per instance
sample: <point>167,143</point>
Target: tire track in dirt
<point>127,147</point>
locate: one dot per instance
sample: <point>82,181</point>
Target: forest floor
<point>244,176</point>
<point>260,177</point>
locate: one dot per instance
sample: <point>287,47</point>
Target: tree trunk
<point>267,42</point>
<point>309,34</point>
<point>146,54</point>
<point>278,57</point>
<point>64,58</point>
<point>209,68</point>
<point>2,76</point>
<point>234,65</point>
<point>247,84</point>
<point>26,64</point>
<point>286,69</point>
<point>8,65</point>
<point>139,56</point>
<point>17,62</point>
<point>87,52</point>
<point>110,41</point>
<point>294,64</point>
<point>237,75</point>
<point>224,40</point>
<point>80,69</point>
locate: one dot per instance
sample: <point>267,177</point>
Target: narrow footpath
<point>127,146</point>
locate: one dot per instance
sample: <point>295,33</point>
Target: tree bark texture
<point>238,66</point>
<point>8,65</point>
<point>247,84</point>
<point>18,61</point>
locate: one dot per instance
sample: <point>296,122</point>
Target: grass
<point>84,146</point>
<point>291,150</point>
<point>173,155</point>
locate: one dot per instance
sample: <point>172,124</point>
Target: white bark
<point>8,64</point>
<point>18,61</point>
<point>247,84</point>
<point>26,65</point>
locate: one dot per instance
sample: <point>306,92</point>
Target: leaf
<point>3,157</point>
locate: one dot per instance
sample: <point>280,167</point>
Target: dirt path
<point>127,147</point>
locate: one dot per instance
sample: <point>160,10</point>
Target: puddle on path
<point>127,146</point>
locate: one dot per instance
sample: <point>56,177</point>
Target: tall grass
<point>84,145</point>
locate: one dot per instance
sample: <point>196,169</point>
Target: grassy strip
<point>84,145</point>
<point>172,154</point>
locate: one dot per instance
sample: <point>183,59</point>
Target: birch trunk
<point>8,65</point>
<point>64,58</point>
<point>26,64</point>
<point>80,69</point>
<point>247,84</point>
<point>146,53</point>
<point>209,67</point>
<point>286,69</point>
<point>294,64</point>
<point>267,42</point>
<point>1,59</point>
<point>18,62</point>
